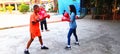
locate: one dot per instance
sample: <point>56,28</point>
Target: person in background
<point>43,23</point>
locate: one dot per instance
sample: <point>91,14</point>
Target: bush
<point>23,8</point>
<point>1,9</point>
<point>10,8</point>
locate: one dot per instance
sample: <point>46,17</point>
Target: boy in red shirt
<point>34,29</point>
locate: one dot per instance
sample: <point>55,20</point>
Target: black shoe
<point>26,52</point>
<point>68,48</point>
<point>77,44</point>
<point>44,47</point>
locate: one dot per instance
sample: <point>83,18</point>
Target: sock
<point>26,49</point>
<point>42,45</point>
<point>77,42</point>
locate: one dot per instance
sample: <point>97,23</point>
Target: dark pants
<point>43,23</point>
<point>70,33</point>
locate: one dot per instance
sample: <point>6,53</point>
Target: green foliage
<point>10,7</point>
<point>23,8</point>
<point>1,9</point>
<point>92,2</point>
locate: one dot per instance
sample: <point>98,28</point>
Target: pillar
<point>16,8</point>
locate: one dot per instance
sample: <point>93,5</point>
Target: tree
<point>55,8</point>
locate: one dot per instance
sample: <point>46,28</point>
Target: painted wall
<point>64,5</point>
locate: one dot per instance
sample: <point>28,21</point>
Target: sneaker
<point>42,30</point>
<point>44,47</point>
<point>68,48</point>
<point>47,30</point>
<point>26,52</point>
<point>76,43</point>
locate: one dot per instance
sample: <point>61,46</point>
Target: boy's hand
<point>33,22</point>
<point>38,20</point>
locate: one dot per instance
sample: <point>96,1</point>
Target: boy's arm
<point>36,21</point>
<point>33,20</point>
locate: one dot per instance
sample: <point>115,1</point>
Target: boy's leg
<point>29,42</point>
<point>41,42</point>
<point>28,45</point>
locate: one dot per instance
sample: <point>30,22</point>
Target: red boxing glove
<point>41,17</point>
<point>65,19</point>
<point>76,17</point>
<point>42,13</point>
<point>66,15</point>
<point>46,15</point>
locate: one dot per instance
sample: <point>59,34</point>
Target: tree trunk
<point>55,7</point>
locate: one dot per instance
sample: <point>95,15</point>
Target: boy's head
<point>36,8</point>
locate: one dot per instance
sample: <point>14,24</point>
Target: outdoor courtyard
<point>95,36</point>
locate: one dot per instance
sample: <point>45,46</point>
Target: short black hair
<point>35,6</point>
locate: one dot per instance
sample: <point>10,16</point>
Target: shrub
<point>10,8</point>
<point>23,8</point>
<point>1,9</point>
